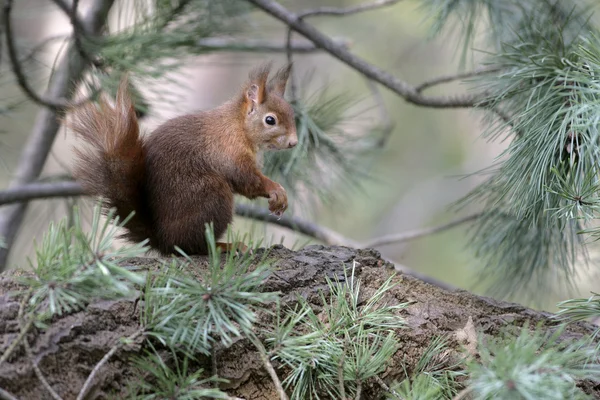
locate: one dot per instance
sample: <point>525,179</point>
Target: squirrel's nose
<point>292,142</point>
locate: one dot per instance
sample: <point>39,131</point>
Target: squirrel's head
<point>269,119</point>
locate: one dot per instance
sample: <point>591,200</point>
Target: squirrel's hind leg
<point>237,247</point>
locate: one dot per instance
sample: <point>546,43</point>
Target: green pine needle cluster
<point>164,33</point>
<point>191,315</point>
<point>73,267</point>
<point>349,342</point>
<point>573,310</point>
<point>542,190</point>
<point>532,366</point>
<point>433,377</point>
<point>161,381</point>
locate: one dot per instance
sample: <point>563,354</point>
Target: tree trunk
<point>71,346</point>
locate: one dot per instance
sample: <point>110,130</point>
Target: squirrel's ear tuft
<point>278,82</point>
<point>257,88</point>
<point>251,98</point>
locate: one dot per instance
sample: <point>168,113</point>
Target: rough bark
<point>70,347</point>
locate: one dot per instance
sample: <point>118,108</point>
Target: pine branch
<point>22,332</point>
<point>261,46</point>
<point>403,89</point>
<point>262,352</point>
<point>455,77</point>
<point>38,146</point>
<point>36,368</point>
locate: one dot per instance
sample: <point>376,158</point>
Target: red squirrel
<point>185,173</point>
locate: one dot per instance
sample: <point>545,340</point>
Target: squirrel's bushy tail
<point>112,165</point>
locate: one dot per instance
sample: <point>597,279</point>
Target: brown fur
<point>185,174</point>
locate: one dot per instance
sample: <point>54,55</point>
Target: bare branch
<point>104,360</point>
<point>290,60</point>
<point>358,390</point>
<point>419,233</point>
<point>33,191</point>
<point>261,46</point>
<point>23,331</point>
<point>450,78</point>
<point>268,366</point>
<point>56,104</point>
<point>39,143</point>
<point>79,30</point>
<point>40,190</point>
<point>30,356</point>
<point>404,89</point>
<point>38,372</point>
<point>321,11</point>
<point>4,395</point>
<point>387,388</point>
<point>463,394</point>
<point>340,371</point>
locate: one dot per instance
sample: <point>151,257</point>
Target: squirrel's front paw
<point>278,201</point>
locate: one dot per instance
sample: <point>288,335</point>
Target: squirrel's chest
<point>260,160</point>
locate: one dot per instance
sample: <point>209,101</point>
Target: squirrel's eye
<point>270,120</point>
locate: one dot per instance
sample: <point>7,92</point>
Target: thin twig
<point>268,366</point>
<point>340,372</point>
<point>387,388</point>
<point>4,395</point>
<point>56,104</point>
<point>358,390</point>
<point>104,360</point>
<point>213,360</point>
<point>322,11</point>
<point>28,351</point>
<point>462,394</point>
<point>450,78</point>
<point>419,233</point>
<point>78,28</point>
<point>40,190</point>
<point>17,341</point>
<point>404,89</point>
<point>38,371</point>
<point>39,143</point>
<point>23,330</point>
<point>261,46</point>
<point>289,56</point>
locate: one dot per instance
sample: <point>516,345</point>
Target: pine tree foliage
<point>532,366</point>
<point>161,381</point>
<point>580,310</point>
<point>434,376</point>
<point>183,312</point>
<point>542,189</point>
<point>73,267</point>
<point>348,341</point>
